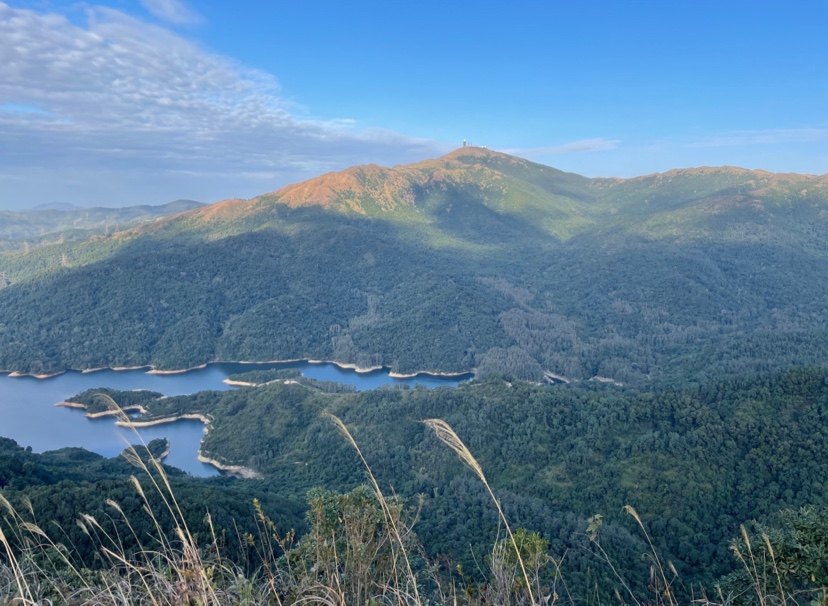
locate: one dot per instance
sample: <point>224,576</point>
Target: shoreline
<point>233,470</point>
<point>193,416</point>
<point>160,458</point>
<point>155,371</point>
<point>431,373</point>
<point>236,470</point>
<point>104,413</point>
<point>16,374</point>
<point>19,375</point>
<point>346,366</point>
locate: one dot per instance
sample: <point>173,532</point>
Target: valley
<point>480,304</point>
<point>657,342</point>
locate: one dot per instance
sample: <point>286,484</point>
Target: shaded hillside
<point>473,260</point>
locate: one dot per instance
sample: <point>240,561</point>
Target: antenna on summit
<point>464,143</point>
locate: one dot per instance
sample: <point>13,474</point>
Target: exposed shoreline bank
<point>104,413</point>
<point>17,374</point>
<point>192,416</point>
<point>160,458</point>
<point>431,373</point>
<point>155,371</point>
<point>146,418</point>
<point>233,470</point>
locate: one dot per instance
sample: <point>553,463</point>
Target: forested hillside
<point>61,485</point>
<point>694,462</point>
<point>474,260</point>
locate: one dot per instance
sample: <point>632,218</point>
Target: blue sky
<point>144,101</point>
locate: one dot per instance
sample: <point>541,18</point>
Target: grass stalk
<point>656,560</point>
<point>389,517</point>
<point>448,437</point>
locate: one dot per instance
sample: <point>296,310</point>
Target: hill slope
<point>695,462</point>
<point>59,222</point>
<point>476,259</point>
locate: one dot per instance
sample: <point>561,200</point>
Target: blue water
<point>28,414</point>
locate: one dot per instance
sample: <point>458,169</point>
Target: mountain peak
<point>474,155</point>
<point>371,187</point>
<point>473,151</point>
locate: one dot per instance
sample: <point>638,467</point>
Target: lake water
<point>28,414</point>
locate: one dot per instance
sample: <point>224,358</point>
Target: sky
<point>118,102</point>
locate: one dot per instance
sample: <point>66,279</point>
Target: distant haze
<point>65,206</point>
<point>56,206</point>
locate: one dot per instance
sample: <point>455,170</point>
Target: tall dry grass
<point>361,549</point>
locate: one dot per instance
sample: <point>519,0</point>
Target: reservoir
<point>28,414</point>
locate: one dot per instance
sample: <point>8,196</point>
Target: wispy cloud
<point>117,96</point>
<point>172,11</point>
<point>573,147</point>
<point>779,136</point>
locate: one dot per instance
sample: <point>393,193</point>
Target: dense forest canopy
<point>695,462</point>
<point>474,260</point>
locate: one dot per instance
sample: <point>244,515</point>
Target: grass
<point>361,549</point>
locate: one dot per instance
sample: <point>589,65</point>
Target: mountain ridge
<point>474,260</point>
<point>377,191</point>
